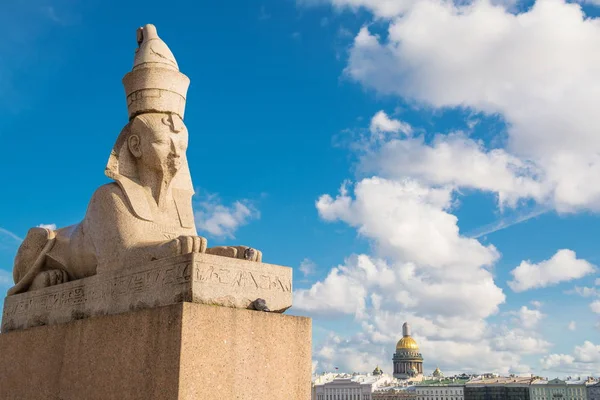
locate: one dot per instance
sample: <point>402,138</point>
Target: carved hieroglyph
<point>146,213</point>
<point>198,278</point>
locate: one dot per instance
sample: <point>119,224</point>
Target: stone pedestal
<point>197,278</point>
<point>180,351</point>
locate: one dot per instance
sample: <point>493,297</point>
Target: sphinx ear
<point>133,142</point>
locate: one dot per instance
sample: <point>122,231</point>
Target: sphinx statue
<point>146,213</point>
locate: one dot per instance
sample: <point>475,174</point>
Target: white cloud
<point>52,227</point>
<point>421,265</point>
<point>537,69</point>
<point>456,160</point>
<point>584,360</point>
<point>526,317</point>
<point>588,352</point>
<point>563,266</point>
<point>381,123</point>
<point>572,326</point>
<point>409,221</point>
<point>536,303</point>
<point>222,221</point>
<point>338,293</point>
<point>556,360</point>
<point>307,267</point>
<point>520,342</point>
<point>585,291</point>
<point>595,306</point>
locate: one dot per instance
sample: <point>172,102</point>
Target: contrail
<point>506,222</point>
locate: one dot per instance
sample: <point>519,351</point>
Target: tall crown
<point>155,83</point>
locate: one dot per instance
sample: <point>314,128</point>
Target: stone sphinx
<point>146,213</point>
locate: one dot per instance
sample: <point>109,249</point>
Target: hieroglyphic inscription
<point>113,289</point>
<point>243,278</point>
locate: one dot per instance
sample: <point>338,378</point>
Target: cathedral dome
<point>407,343</point>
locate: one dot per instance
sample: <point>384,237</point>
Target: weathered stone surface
<point>198,278</point>
<point>183,351</point>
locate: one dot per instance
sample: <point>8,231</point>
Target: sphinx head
<point>158,142</point>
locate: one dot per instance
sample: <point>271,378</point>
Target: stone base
<point>197,278</point>
<point>181,351</point>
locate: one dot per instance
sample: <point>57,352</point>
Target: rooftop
<point>501,380</point>
<point>443,382</point>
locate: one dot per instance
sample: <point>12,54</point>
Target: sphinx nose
<point>175,149</point>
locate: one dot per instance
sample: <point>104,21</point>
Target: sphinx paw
<point>49,278</point>
<point>252,254</point>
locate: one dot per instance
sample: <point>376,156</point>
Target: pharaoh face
<point>159,142</point>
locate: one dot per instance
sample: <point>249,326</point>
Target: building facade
<point>343,389</point>
<point>408,362</point>
<point>395,394</point>
<point>593,391</point>
<point>557,389</point>
<point>348,387</point>
<point>440,392</point>
<point>498,388</point>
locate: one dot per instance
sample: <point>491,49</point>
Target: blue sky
<point>464,138</point>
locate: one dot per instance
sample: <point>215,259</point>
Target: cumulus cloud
<point>409,221</point>
<point>556,360</point>
<point>536,303</point>
<point>526,317</point>
<point>563,266</point>
<point>585,291</point>
<point>220,220</point>
<point>456,160</point>
<point>541,79</point>
<point>595,306</point>
<point>421,265</point>
<point>585,359</point>
<point>382,123</point>
<point>520,342</point>
<point>307,267</point>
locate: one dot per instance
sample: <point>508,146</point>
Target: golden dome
<point>407,343</point>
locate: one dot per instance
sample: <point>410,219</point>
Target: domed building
<point>408,362</point>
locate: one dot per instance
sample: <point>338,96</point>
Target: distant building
<point>438,373</point>
<point>408,362</point>
<point>498,388</point>
<point>593,391</point>
<point>440,392</point>
<point>557,389</point>
<point>395,394</point>
<point>349,387</point>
